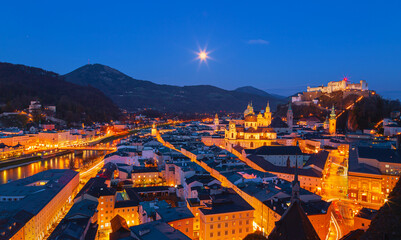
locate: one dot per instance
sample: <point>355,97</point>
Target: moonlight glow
<point>203,55</point>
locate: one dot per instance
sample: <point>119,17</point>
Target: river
<point>68,161</point>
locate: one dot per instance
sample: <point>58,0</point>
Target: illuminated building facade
<point>227,216</point>
<point>340,86</point>
<point>372,173</point>
<point>30,206</point>
<point>146,176</point>
<point>332,122</point>
<point>111,202</point>
<point>254,132</point>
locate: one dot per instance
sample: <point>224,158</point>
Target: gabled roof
<point>294,225</point>
<point>278,123</point>
<point>157,230</point>
<point>173,214</point>
<point>227,202</point>
<point>269,167</point>
<point>380,154</point>
<point>275,150</point>
<point>319,159</point>
<point>120,228</point>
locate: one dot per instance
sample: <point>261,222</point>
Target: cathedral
<point>252,132</point>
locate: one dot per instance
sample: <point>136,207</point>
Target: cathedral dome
<point>251,118</point>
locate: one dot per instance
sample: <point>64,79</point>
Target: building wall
<point>105,211</point>
<point>186,226</point>
<point>130,214</point>
<point>234,225</point>
<point>365,187</point>
<point>39,225</point>
<point>321,223</point>
<point>146,178</point>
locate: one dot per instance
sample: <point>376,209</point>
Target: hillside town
<point>220,178</point>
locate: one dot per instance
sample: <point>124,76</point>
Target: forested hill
<point>21,84</point>
<point>133,94</point>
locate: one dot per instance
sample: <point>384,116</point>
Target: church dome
<point>251,118</point>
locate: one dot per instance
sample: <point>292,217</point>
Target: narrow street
<point>335,179</point>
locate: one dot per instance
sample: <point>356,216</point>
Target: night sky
<point>278,46</point>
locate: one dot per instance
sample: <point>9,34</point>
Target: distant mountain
<point>21,84</point>
<point>133,94</point>
<point>252,90</point>
<point>256,91</point>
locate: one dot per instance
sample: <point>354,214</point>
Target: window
<point>226,217</point>
<point>218,225</point>
<point>211,235</point>
<point>226,233</point>
<point>225,224</point>
<point>233,231</point>
<point>218,234</point>
<point>211,226</point>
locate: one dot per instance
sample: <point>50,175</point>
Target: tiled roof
<point>269,167</point>
<point>275,150</point>
<point>294,225</point>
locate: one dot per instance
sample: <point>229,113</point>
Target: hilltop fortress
<point>342,85</point>
<point>313,93</point>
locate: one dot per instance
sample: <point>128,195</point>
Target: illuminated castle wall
<point>340,86</point>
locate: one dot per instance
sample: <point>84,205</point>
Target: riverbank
<point>28,160</point>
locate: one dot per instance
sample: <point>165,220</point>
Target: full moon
<point>202,56</point>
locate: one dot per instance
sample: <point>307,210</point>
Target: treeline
<point>21,84</point>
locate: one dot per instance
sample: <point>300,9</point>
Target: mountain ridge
<point>20,84</point>
<point>133,94</point>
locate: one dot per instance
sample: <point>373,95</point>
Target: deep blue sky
<point>279,46</point>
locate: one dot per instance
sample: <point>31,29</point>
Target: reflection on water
<point>69,161</point>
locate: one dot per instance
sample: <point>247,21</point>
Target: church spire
<point>295,184</point>
<point>268,107</point>
<point>333,113</point>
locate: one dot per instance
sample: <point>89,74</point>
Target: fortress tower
<point>332,121</point>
